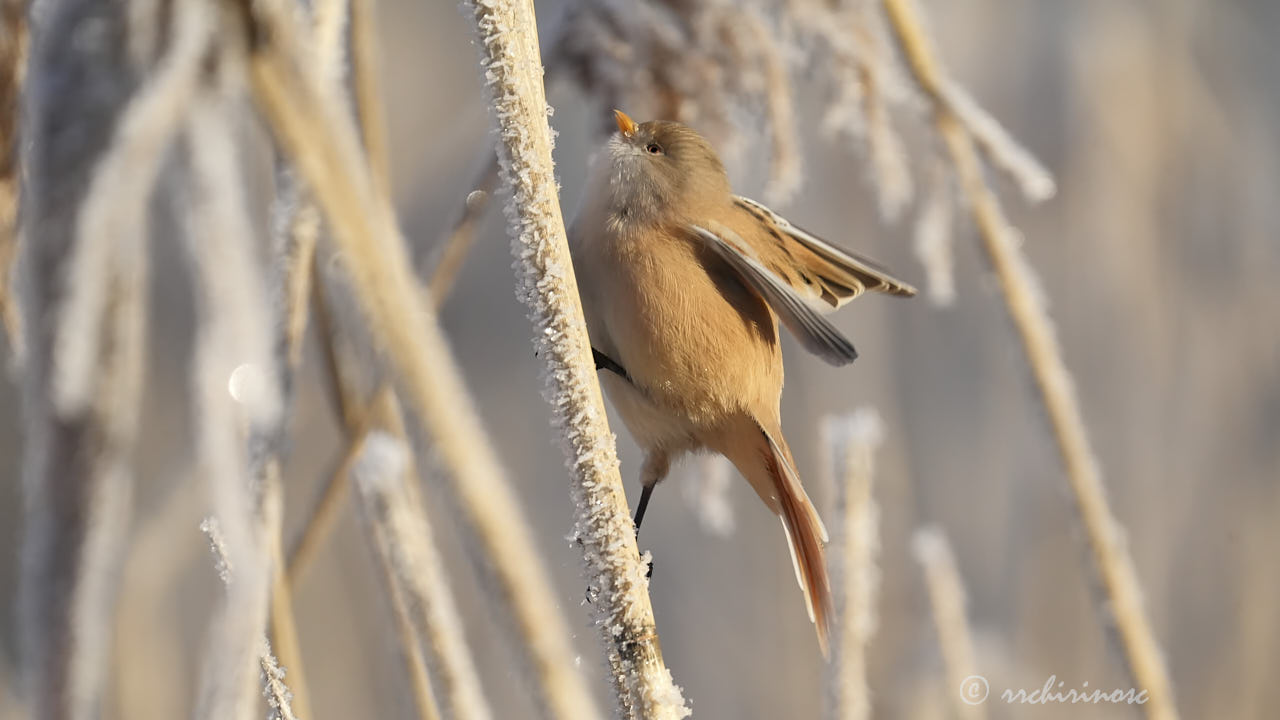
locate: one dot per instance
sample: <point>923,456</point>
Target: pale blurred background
<point>1161,257</point>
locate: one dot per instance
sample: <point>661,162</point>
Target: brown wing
<point>801,315</point>
<point>831,274</point>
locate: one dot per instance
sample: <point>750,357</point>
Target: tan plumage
<point>683,284</point>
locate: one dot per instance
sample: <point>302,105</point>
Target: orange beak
<point>625,124</point>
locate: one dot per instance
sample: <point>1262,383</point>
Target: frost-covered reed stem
<point>382,417</point>
<point>1026,305</point>
<point>279,697</point>
<point>295,234</point>
<point>415,575</point>
<point>298,227</point>
<point>319,136</point>
<point>513,72</point>
<point>280,700</point>
<point>946,598</point>
<point>855,577</point>
<point>13,59</point>
<point>236,388</point>
<point>885,150</point>
<point>785,176</point>
<point>93,137</point>
<point>379,468</point>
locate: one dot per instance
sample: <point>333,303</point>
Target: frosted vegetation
<point>249,142</point>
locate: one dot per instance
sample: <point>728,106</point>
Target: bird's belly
<point>651,425</point>
<point>697,345</point>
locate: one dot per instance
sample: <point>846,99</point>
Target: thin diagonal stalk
<point>413,570</point>
<point>454,248</point>
<point>363,418</point>
<point>1057,394</point>
<point>508,36</point>
<point>448,262</point>
<point>417,589</point>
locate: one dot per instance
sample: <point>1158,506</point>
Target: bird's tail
<point>806,535</point>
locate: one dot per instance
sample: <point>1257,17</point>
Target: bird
<point>684,287</point>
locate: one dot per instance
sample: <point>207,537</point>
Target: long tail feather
<point>806,536</point>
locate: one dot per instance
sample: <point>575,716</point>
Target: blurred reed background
<point>1159,253</point>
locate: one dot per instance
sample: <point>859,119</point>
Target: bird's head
<point>662,170</point>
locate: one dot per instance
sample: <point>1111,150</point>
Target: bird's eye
<point>653,149</point>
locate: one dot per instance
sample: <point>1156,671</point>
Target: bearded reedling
<point>683,284</point>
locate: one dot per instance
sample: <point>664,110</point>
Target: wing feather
<point>843,275</point>
<point>814,332</point>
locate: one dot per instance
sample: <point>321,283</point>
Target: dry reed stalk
<point>415,660</point>
<point>357,414</point>
<point>855,576</point>
<point>965,690</point>
<point>236,386</point>
<point>412,568</point>
<point>282,627</point>
<point>364,79</point>
<point>1026,307</point>
<point>785,171</point>
<point>381,415</point>
<point>427,592</point>
<point>279,698</point>
<point>318,135</point>
<point>453,249</point>
<point>324,515</point>
<point>300,224</point>
<point>294,238</point>
<point>295,235</point>
<point>513,70</point>
<point>13,59</point>
<point>330,19</point>
<point>450,256</point>
<point>298,220</point>
<point>382,463</point>
<point>448,261</point>
<point>886,153</point>
<point>299,231</point>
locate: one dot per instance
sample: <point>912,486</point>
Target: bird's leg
<point>656,464</point>
<point>644,503</point>
<point>604,362</point>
